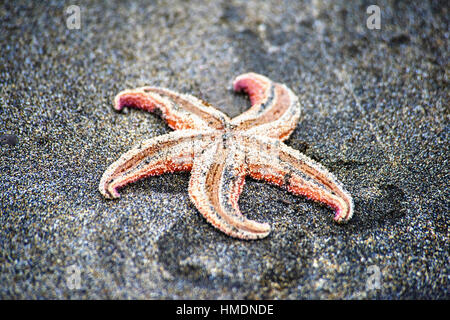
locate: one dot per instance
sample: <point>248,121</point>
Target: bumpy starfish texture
<point>220,152</point>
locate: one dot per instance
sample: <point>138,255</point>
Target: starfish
<point>220,152</point>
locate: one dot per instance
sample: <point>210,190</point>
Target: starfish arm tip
<point>110,194</point>
<point>237,85</point>
<point>263,231</point>
<point>257,230</point>
<point>267,231</point>
<point>107,191</point>
<point>343,215</point>
<point>241,82</point>
<point>118,105</point>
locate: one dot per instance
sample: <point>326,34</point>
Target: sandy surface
<point>375,112</point>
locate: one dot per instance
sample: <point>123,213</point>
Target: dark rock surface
<point>375,112</point>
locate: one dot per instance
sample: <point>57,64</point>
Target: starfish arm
<point>217,179</point>
<point>275,108</point>
<point>259,89</point>
<point>180,111</point>
<point>288,168</point>
<point>167,153</point>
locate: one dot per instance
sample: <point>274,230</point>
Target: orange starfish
<point>220,152</point>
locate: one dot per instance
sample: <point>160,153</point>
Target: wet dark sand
<point>375,112</point>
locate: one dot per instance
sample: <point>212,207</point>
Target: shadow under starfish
<point>220,152</point>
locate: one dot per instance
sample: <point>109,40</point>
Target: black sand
<point>375,112</point>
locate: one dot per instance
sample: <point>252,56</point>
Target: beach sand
<point>374,112</point>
